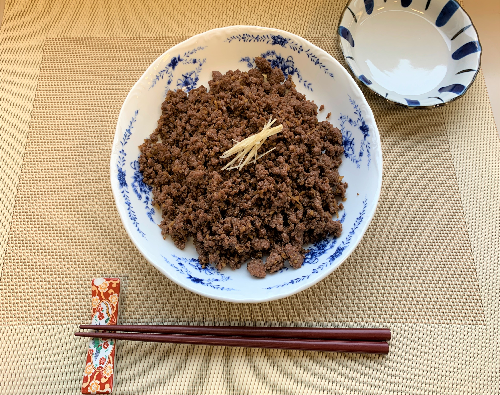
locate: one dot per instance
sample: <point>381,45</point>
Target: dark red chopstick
<point>368,347</point>
<point>361,334</point>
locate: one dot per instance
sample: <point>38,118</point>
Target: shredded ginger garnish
<point>250,146</point>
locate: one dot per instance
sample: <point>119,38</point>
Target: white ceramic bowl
<point>317,75</point>
<point>417,53</point>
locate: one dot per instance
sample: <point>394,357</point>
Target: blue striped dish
<point>418,53</point>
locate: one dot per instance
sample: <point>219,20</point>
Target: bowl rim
<point>222,296</point>
<point>419,107</point>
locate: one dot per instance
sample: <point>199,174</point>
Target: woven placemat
<point>427,267</point>
<point>414,265</point>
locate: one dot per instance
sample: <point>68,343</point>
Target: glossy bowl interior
<point>413,52</point>
<point>190,64</point>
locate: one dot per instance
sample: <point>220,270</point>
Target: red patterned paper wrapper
<point>99,369</point>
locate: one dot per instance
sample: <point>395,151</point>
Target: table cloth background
<point>428,266</point>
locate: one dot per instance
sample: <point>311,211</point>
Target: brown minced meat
<point>270,208</point>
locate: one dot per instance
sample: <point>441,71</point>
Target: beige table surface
<point>486,17</point>
<point>428,266</point>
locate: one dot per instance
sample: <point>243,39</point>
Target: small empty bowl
<point>418,53</point>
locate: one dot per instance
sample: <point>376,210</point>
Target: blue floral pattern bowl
<point>189,65</point>
<point>418,53</point>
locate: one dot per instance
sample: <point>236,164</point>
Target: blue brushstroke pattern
<point>364,79</point>
<point>282,42</point>
<point>287,65</point>
<point>466,49</point>
<point>122,175</point>
<point>142,190</point>
<point>446,13</point>
<point>412,102</point>
<point>347,125</point>
<point>193,271</point>
<point>454,88</point>
<point>346,34</point>
<point>465,71</point>
<point>369,6</point>
<point>321,247</point>
<point>353,15</point>
<point>460,32</point>
<point>406,3</point>
<point>435,97</point>
<point>186,59</point>
<point>324,246</point>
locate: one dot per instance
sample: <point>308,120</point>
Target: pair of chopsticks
<point>354,340</point>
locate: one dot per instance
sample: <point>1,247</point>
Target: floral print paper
<point>98,374</point>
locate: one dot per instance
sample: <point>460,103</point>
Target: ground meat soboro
<point>269,208</point>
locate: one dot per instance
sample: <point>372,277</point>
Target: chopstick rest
<point>99,368</point>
